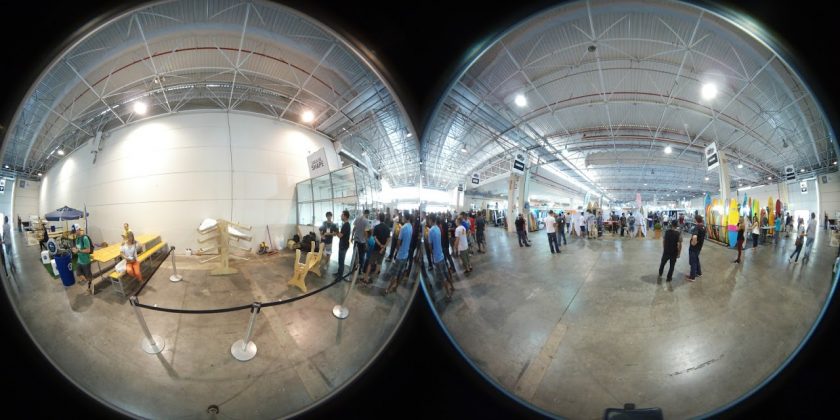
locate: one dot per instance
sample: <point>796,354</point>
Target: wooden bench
<point>311,264</point>
<point>117,277</point>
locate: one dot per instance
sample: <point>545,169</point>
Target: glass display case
<point>349,188</point>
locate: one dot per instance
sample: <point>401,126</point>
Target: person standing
<point>461,246</point>
<point>550,228</point>
<point>480,223</point>
<point>777,229</point>
<point>20,224</point>
<point>82,249</point>
<point>520,231</point>
<point>359,240</point>
<point>413,250</point>
<point>788,224</point>
<point>399,265</point>
<point>739,244</point>
<point>396,234</point>
<point>623,222</point>
<point>671,250</point>
<point>561,229</point>
<point>129,251</point>
<point>698,236</point>
<point>438,262</point>
<point>343,242</point>
<point>631,222</point>
<point>756,230</point>
<point>7,243</point>
<point>825,223</point>
<point>445,242</point>
<point>381,235</point>
<point>811,234</point>
<point>327,229</point>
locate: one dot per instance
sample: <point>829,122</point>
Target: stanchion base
<point>341,312</point>
<point>175,277</point>
<point>242,352</point>
<point>153,348</point>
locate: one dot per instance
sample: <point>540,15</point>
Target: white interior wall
<point>6,201</point>
<point>26,200</point>
<point>829,195</point>
<point>165,175</point>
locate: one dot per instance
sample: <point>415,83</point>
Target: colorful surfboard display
<point>771,219</point>
<point>756,212</point>
<point>779,208</point>
<point>732,222</point>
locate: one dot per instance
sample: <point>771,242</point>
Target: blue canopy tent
<point>65,213</point>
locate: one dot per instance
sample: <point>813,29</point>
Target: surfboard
<point>771,218</point>
<point>732,222</point>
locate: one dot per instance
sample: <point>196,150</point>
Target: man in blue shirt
<point>438,263</point>
<point>399,264</point>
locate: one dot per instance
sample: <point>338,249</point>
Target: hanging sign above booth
<point>790,173</point>
<point>476,178</point>
<point>519,163</point>
<point>712,161</point>
<point>803,186</point>
<point>317,163</point>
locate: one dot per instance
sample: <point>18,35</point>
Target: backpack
<point>90,242</point>
<point>799,240</point>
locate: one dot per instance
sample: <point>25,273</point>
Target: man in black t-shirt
<point>381,234</point>
<point>671,249</point>
<point>520,231</point>
<point>343,241</point>
<point>698,235</point>
<point>623,222</point>
<point>561,229</point>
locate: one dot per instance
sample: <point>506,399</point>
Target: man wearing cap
<point>82,250</point>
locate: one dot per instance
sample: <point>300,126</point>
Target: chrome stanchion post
<point>151,344</point>
<point>175,276</point>
<point>245,349</point>
<point>340,311</point>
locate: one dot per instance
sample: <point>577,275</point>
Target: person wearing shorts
<point>381,235</point>
<point>82,249</point>
<point>462,246</point>
<point>401,262</point>
<point>438,262</point>
<point>328,229</point>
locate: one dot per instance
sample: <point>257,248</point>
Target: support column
<point>522,197</point>
<point>511,198</point>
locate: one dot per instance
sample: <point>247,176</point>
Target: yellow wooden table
<point>113,251</point>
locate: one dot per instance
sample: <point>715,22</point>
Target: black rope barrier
<point>242,307</point>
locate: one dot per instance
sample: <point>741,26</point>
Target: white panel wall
<point>167,174</point>
<point>830,195</point>
<point>25,199</point>
<point>6,202</point>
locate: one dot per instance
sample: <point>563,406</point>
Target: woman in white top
<point>756,230</point>
<point>129,251</point>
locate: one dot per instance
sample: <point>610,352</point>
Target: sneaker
<point>689,278</point>
<point>668,280</point>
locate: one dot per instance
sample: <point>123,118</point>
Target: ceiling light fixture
<point>769,178</point>
<point>802,170</point>
<point>668,150</point>
<point>709,91</point>
<point>408,136</point>
<point>740,166</point>
<point>464,149</point>
<point>520,100</point>
<point>140,108</point>
<point>39,174</point>
<point>706,178</point>
<point>307,116</point>
<point>6,166</point>
<point>60,152</point>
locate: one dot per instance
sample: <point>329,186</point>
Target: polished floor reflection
<point>304,352</point>
<point>592,328</point>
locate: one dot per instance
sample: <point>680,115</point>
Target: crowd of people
<point>426,240</point>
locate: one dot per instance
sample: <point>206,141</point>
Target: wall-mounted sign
<point>2,185</point>
<point>519,163</point>
<point>476,178</point>
<point>318,163</point>
<point>460,187</point>
<point>803,186</point>
<point>790,173</point>
<point>712,161</point>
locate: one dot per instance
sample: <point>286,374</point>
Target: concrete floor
<point>304,352</point>
<point>591,328</point>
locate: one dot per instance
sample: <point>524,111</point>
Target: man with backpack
<point>632,222</point>
<point>623,222</point>
<point>84,249</point>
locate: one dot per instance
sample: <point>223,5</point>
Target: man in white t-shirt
<point>810,235</point>
<point>550,228</point>
<point>461,245</point>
